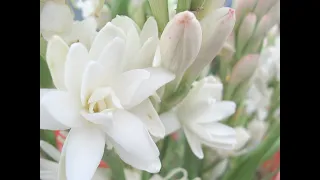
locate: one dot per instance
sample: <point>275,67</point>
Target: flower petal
<point>149,116</point>
<point>92,78</point>
<point>56,56</point>
<point>50,150</point>
<point>125,23</point>
<point>104,36</point>
<point>170,122</point>
<point>62,107</point>
<point>77,60</point>
<point>147,82</point>
<point>132,47</point>
<point>83,155</point>
<point>194,143</point>
<point>150,29</point>
<point>47,121</point>
<point>217,112</point>
<point>111,58</point>
<point>130,134</point>
<point>149,165</point>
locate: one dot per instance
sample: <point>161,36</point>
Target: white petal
<point>50,150</point>
<point>102,118</point>
<point>217,112</point>
<point>48,165</point>
<point>62,163</point>
<point>105,35</point>
<point>92,79</point>
<point>170,122</point>
<point>47,121</point>
<point>150,29</point>
<point>56,56</point>
<point>124,23</point>
<point>194,143</point>
<point>139,162</point>
<point>149,116</point>
<point>77,59</point>
<point>84,152</point>
<point>242,137</point>
<point>128,83</point>
<point>130,133</point>
<point>147,85</point>
<point>145,55</point>
<point>132,47</point>
<point>63,108</point>
<point>111,58</point>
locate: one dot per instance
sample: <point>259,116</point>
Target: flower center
<point>103,99</point>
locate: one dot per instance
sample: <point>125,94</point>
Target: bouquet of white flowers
<point>159,90</point>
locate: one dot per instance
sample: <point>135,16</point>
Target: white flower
<point>100,99</point>
<point>56,18</point>
<point>258,100</point>
<point>96,9</point>
<point>257,129</point>
<point>198,115</point>
<point>49,169</point>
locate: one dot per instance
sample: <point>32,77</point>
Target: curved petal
<point>194,143</point>
<point>84,152</point>
<point>217,112</point>
<point>149,116</point>
<point>56,56</point>
<point>104,36</point>
<point>150,165</point>
<point>125,23</point>
<point>147,85</point>
<point>47,121</point>
<point>150,29</point>
<point>133,46</point>
<point>130,133</point>
<point>50,150</point>
<point>170,122</point>
<point>61,106</point>
<point>77,60</point>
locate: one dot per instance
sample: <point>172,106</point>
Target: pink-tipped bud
<point>246,30</point>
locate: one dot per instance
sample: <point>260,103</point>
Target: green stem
<point>115,165</point>
<point>164,148</point>
<point>183,5</point>
<point>159,9</point>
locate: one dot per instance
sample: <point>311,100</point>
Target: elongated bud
<point>242,136</point>
<point>263,6</point>
<point>219,169</point>
<point>257,129</point>
<point>136,12</point>
<point>242,7</point>
<point>160,12</point>
<point>228,49</point>
<point>204,7</point>
<point>246,30</point>
<point>180,43</point>
<point>244,69</point>
<point>216,28</point>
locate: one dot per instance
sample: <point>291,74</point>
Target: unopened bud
<point>257,129</point>
<point>219,169</point>
<point>244,69</point>
<point>242,136</point>
<point>242,7</point>
<point>180,43</point>
<point>263,6</point>
<point>136,12</point>
<point>245,31</point>
<point>216,28</point>
<point>228,49</point>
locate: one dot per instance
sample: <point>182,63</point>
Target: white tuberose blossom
<point>101,102</point>
<point>199,113</point>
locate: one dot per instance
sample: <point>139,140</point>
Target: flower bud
<point>244,69</point>
<point>245,31</point>
<point>160,12</point>
<point>216,28</point>
<point>136,12</point>
<point>263,6</point>
<point>257,129</point>
<point>180,43</point>
<point>228,49</point>
<point>242,8</point>
<point>219,169</point>
<point>242,138</point>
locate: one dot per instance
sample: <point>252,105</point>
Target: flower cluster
<point>130,74</point>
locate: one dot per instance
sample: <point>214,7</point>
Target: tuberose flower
<point>103,100</point>
<point>198,115</point>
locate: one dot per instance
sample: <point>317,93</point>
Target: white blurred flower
<point>258,100</point>
<point>257,129</point>
<point>49,169</point>
<point>99,98</point>
<point>198,115</point>
<point>96,9</point>
<point>56,18</point>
